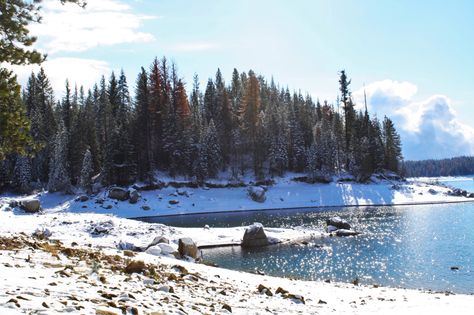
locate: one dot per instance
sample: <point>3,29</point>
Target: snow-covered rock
<point>167,249</point>
<point>30,205</point>
<point>186,247</point>
<point>118,193</point>
<point>257,193</point>
<point>255,236</point>
<point>154,250</point>
<point>103,227</point>
<point>134,196</point>
<point>338,223</point>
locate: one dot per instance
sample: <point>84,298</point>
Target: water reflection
<point>409,246</point>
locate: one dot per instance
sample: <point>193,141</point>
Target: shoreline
<point>421,203</point>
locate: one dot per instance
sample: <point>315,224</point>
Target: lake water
<point>406,246</point>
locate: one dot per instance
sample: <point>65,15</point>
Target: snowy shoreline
<point>199,290</point>
<point>45,276</point>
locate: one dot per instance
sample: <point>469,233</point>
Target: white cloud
<point>429,128</point>
<point>102,23</point>
<point>85,72</point>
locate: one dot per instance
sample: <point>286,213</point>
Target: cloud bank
<point>69,28</point>
<point>429,128</point>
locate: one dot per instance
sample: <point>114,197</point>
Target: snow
<point>284,194</point>
<point>35,278</point>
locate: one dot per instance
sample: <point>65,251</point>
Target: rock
<point>186,247</point>
<point>338,223</point>
<point>166,288</point>
<point>82,198</point>
<point>167,249</point>
<point>206,227</point>
<point>256,193</point>
<point>126,246</point>
<point>118,193</point>
<point>432,191</point>
<point>14,204</point>
<point>104,227</point>
<point>264,290</point>
<point>30,205</point>
<point>42,234</point>
<point>173,202</point>
<point>471,195</point>
<point>134,196</point>
<point>154,250</point>
<point>281,291</point>
<point>255,236</point>
<point>454,268</point>
<point>227,307</point>
<point>296,297</point>
<point>344,232</point>
<point>103,312</point>
<point>158,240</point>
<point>331,228</point>
<point>146,207</point>
<point>136,266</point>
<point>182,192</point>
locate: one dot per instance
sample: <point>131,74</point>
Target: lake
<point>428,247</point>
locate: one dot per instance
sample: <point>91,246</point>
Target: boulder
<point>186,247</point>
<point>432,191</point>
<point>256,193</point>
<point>338,223</point>
<point>136,266</point>
<point>471,195</point>
<point>30,205</point>
<point>101,228</point>
<point>255,236</point>
<point>146,207</point>
<point>158,240</point>
<point>134,196</point>
<point>167,249</point>
<point>154,250</point>
<point>82,198</point>
<point>173,202</point>
<point>118,193</point>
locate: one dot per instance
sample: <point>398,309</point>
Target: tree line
<point>249,126</point>
<point>456,166</point>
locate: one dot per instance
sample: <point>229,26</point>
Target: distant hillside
<point>457,166</point>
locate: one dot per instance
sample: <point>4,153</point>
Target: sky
<point>413,58</point>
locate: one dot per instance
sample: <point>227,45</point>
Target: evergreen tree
<point>392,146</point>
<point>22,174</point>
<point>58,173</point>
<point>86,171</point>
<point>14,125</point>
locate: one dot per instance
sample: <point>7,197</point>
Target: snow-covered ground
<point>81,272</point>
<point>80,269</point>
<point>284,194</point>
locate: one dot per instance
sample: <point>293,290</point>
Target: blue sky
<point>414,57</point>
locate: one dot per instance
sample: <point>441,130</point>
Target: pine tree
<point>392,146</point>
<point>86,172</point>
<point>212,150</point>
<point>58,173</point>
<point>22,174</point>
<point>14,125</point>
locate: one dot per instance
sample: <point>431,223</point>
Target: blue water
<point>406,246</point>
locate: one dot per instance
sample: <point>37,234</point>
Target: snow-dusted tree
<point>278,155</point>
<point>22,174</point>
<point>86,171</point>
<point>212,149</point>
<point>58,174</point>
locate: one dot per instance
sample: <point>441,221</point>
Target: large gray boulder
<point>119,193</point>
<point>256,193</point>
<point>338,223</point>
<point>255,236</point>
<point>30,205</point>
<point>187,247</point>
<point>134,196</point>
